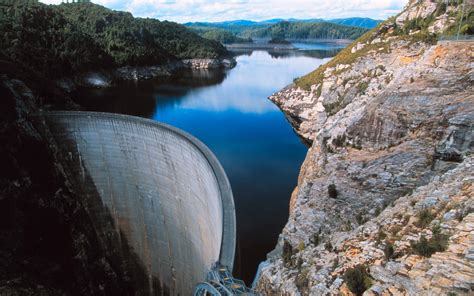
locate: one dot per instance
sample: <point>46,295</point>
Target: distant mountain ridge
<point>305,31</point>
<point>353,21</point>
<point>236,31</point>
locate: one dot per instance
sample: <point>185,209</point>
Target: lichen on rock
<point>390,121</point>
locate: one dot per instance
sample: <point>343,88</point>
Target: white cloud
<point>212,10</point>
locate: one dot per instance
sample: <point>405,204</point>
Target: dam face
<point>152,190</point>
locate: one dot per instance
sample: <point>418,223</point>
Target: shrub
<point>357,279</point>
<point>425,216</point>
<point>381,235</point>
<point>302,281</point>
<point>287,253</point>
<point>339,141</point>
<point>316,239</point>
<point>332,191</point>
<point>440,8</point>
<point>377,211</point>
<point>389,250</point>
<point>335,264</point>
<point>360,218</point>
<point>362,87</point>
<point>299,263</point>
<point>406,219</point>
<point>301,246</point>
<point>328,246</point>
<point>437,243</point>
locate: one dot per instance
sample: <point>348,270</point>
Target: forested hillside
<point>357,22</point>
<point>300,30</point>
<point>221,35</point>
<point>60,40</point>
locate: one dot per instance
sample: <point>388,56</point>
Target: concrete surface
<point>165,191</point>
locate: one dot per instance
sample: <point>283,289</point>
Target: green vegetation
<point>305,30</point>
<point>425,216</point>
<point>437,243</point>
<point>388,250</point>
<point>287,253</point>
<point>381,235</point>
<point>301,246</point>
<point>64,39</point>
<point>464,23</point>
<point>235,27</point>
<point>339,141</point>
<point>316,238</point>
<point>223,36</point>
<point>279,41</point>
<point>361,218</point>
<point>362,87</point>
<point>357,280</point>
<point>302,280</point>
<point>119,31</point>
<point>345,57</point>
<point>332,191</point>
<point>328,246</point>
<point>415,30</point>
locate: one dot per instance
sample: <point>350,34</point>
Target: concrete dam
<point>158,191</point>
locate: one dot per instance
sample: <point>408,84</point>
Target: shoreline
<point>107,78</point>
<point>269,46</point>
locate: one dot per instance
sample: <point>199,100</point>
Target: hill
<point>222,36</point>
<point>239,25</point>
<point>246,29</point>
<point>357,22</point>
<point>59,40</point>
<point>291,30</point>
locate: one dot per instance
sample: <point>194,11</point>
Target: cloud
<point>213,10</point>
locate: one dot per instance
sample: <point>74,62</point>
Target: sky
<point>212,10</point>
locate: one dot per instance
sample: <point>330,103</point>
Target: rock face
<point>106,79</point>
<point>390,121</point>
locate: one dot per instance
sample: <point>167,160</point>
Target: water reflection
<point>258,74</point>
<point>140,99</point>
<point>229,111</point>
<point>313,53</point>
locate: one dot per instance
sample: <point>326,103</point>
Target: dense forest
<point>59,40</point>
<point>302,30</point>
<point>241,31</point>
<point>222,36</point>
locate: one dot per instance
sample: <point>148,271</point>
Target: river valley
<point>229,111</point>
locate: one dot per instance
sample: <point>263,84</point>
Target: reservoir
<point>229,111</point>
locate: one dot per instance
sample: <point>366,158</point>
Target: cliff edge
<point>384,203</point>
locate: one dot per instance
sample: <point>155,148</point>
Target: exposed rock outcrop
<point>104,79</point>
<point>391,122</point>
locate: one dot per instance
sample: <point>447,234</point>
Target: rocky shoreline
<point>106,78</point>
<point>386,191</point>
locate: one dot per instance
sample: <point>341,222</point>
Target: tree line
<point>58,40</point>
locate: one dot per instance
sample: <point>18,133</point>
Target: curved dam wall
<point>159,200</point>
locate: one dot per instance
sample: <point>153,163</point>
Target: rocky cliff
<point>384,203</point>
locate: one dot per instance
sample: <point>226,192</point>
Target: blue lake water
<point>229,111</point>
